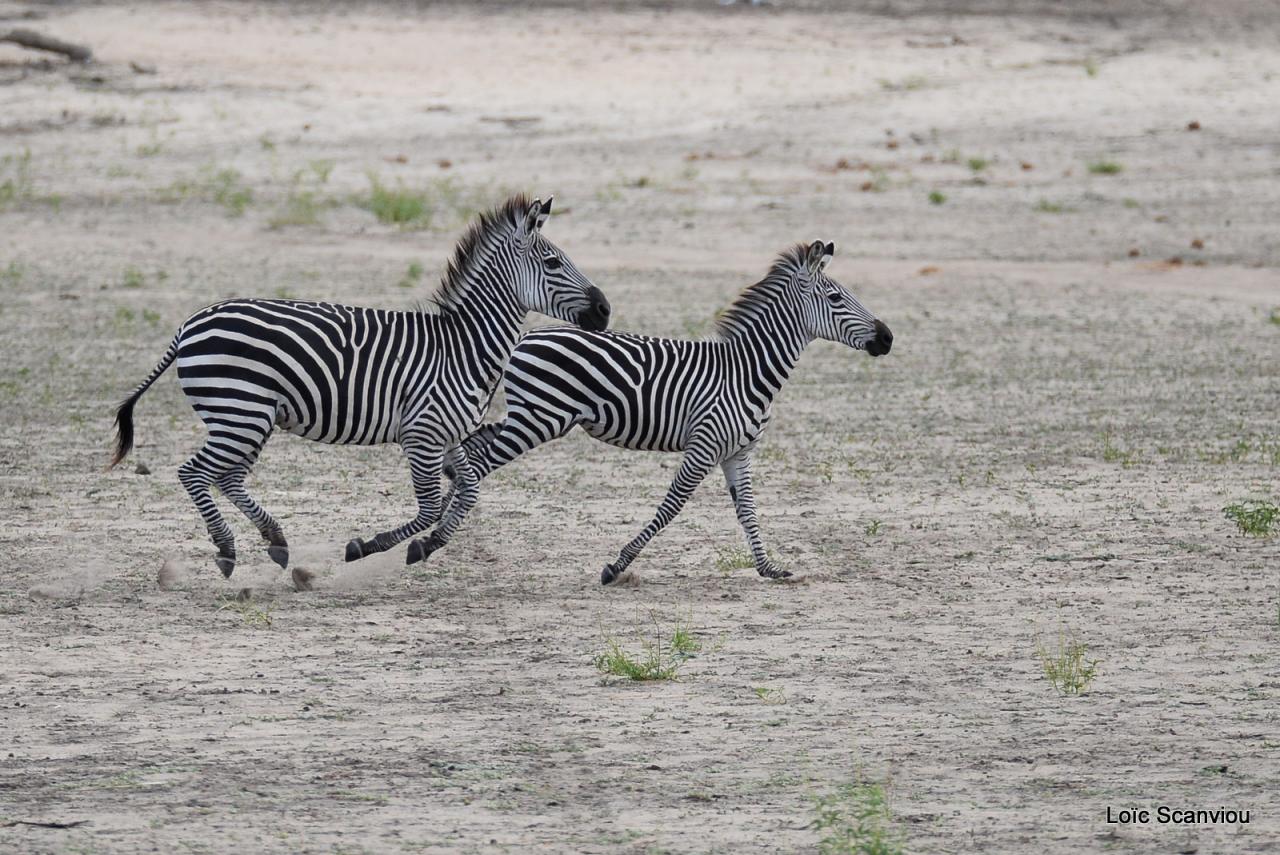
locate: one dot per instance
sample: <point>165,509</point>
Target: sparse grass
<point>12,273</point>
<point>412,276</point>
<point>1112,453</point>
<point>415,208</point>
<point>229,192</point>
<point>1091,67</point>
<point>977,164</point>
<point>300,208</point>
<point>937,197</point>
<point>906,84</point>
<point>856,820</point>
<point>250,612</point>
<point>659,658</point>
<point>1104,167</point>
<point>133,277</point>
<point>1275,316</point>
<point>872,528</point>
<point>738,558</point>
<point>770,696</point>
<point>1066,664</point>
<point>1254,517</point>
<point>15,179</point>
<point>1044,206</point>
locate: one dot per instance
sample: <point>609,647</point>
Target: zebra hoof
<point>608,575</point>
<point>420,550</point>
<point>355,549</point>
<point>775,573</point>
<point>226,565</point>
<point>280,555</point>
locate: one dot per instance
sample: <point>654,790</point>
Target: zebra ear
<point>533,217</point>
<point>545,212</point>
<point>818,255</point>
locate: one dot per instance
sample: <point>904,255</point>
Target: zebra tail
<point>124,412</point>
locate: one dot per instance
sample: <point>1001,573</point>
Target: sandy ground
<point>1048,447</point>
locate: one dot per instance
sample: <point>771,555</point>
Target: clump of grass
<point>660,657</point>
<point>739,558</point>
<point>1044,206</point>
<point>1091,67</point>
<point>133,277</point>
<point>411,276</point>
<point>856,820</point>
<point>977,164</point>
<point>872,528</point>
<point>229,192</point>
<point>1104,167</point>
<point>906,84</point>
<point>398,205</point>
<point>1254,517</point>
<point>1066,664</point>
<point>1275,316</point>
<point>937,197</point>
<point>769,696</point>
<point>250,613</point>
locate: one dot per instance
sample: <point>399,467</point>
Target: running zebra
<point>347,375</point>
<point>709,399</point>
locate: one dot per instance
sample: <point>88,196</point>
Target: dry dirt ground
<point>1047,450</point>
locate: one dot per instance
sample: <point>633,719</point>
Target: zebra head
<point>549,282</point>
<point>832,312</point>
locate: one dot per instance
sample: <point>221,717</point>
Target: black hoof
<point>355,549</point>
<point>775,573</point>
<point>226,565</point>
<point>280,555</point>
<point>420,550</point>
<point>608,575</point>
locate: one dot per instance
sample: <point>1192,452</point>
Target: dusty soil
<point>1047,449</point>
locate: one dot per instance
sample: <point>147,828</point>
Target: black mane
<point>735,317</point>
<point>489,224</point>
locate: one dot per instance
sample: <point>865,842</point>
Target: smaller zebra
<point>711,400</point>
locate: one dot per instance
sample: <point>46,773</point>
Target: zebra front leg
<point>737,474</point>
<point>197,480</point>
<point>695,466</point>
<point>461,499</point>
<point>424,467</point>
<point>232,486</point>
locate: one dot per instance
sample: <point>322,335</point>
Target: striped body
<point>710,400</point>
<point>347,375</point>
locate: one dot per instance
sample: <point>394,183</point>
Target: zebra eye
<point>552,262</point>
<point>834,297</point>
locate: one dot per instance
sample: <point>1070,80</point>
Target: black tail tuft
<point>124,430</point>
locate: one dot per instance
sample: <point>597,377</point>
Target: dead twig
<point>37,41</point>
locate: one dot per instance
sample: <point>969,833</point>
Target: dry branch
<point>35,41</point>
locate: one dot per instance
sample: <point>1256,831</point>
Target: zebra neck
<point>772,352</point>
<point>484,329</point>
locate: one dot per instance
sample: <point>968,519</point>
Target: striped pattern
<point>347,375</point>
<point>711,400</point>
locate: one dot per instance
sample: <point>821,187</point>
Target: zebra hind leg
<point>232,486</point>
<point>197,475</point>
<point>737,475</point>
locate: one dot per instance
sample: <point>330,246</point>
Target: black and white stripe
<point>710,399</point>
<point>347,375</point>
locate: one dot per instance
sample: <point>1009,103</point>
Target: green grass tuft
<point>937,197</point>
<point>1105,167</point>
<point>856,820</point>
<point>1066,664</point>
<point>1254,517</point>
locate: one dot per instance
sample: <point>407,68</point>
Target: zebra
<point>711,399</point>
<point>348,375</point>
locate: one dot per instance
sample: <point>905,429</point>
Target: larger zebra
<point>347,375</point>
<point>711,400</point>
